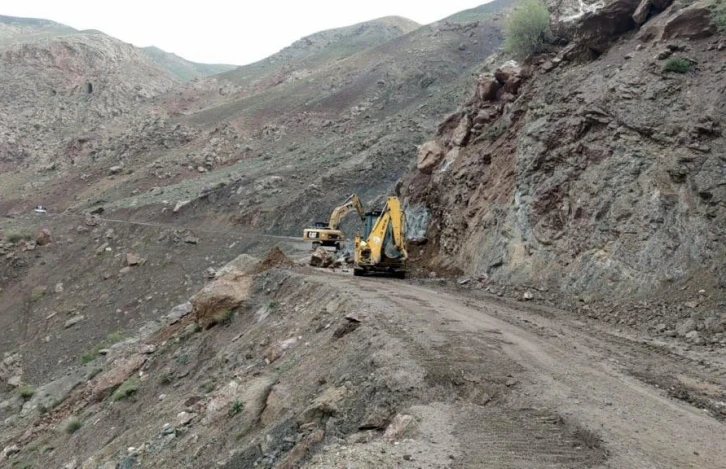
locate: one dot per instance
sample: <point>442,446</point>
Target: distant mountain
<point>14,30</point>
<point>183,69</point>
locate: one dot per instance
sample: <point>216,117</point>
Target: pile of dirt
<point>599,176</point>
<point>274,258</point>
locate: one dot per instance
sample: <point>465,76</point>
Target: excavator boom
<point>330,234</point>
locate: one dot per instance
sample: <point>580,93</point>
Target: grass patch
<point>677,65</point>
<point>37,293</point>
<point>223,318</point>
<point>528,29</point>
<point>91,354</point>
<point>718,14</point>
<point>208,387</point>
<point>26,391</point>
<point>183,359</point>
<point>166,379</point>
<point>72,425</point>
<point>17,236</point>
<point>23,464</point>
<point>126,390</point>
<point>272,305</point>
<point>235,408</point>
<point>495,131</point>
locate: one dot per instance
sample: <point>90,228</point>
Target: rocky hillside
<point>183,69</point>
<point>597,169</point>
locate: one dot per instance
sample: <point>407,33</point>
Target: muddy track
<point>533,390</point>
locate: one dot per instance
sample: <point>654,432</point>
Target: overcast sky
<point>218,31</point>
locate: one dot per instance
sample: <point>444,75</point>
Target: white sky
<point>218,31</point>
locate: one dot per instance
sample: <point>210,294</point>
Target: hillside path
<point>583,375</point>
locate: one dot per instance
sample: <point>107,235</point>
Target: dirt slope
<point>323,370</point>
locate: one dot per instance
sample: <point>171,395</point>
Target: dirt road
<point>536,388</point>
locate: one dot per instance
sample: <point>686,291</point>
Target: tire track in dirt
<point>566,370</point>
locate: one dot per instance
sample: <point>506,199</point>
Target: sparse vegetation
<point>17,236</point>
<point>37,293</point>
<point>208,387</point>
<point>126,390</point>
<point>272,305</point>
<point>236,407</point>
<point>73,424</point>
<point>223,317</point>
<point>528,29</point>
<point>91,354</point>
<point>494,131</point>
<point>183,359</point>
<point>718,14</point>
<point>166,378</point>
<point>677,65</point>
<point>26,391</point>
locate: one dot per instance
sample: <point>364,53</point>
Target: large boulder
<point>487,88</point>
<point>224,293</point>
<point>598,29</point>
<point>648,8</point>
<point>321,258</point>
<point>693,22</point>
<point>44,238</point>
<point>430,155</point>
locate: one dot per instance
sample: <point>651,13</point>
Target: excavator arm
<point>339,212</point>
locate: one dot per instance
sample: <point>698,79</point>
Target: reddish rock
<point>225,293</point>
<point>430,155</point>
<point>300,450</point>
<point>121,370</point>
<point>693,22</point>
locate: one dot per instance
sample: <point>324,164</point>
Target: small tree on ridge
<point>528,29</point>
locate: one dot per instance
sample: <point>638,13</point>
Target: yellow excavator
<point>329,234</point>
<point>382,246</point>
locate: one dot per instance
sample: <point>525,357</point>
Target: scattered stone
<point>15,381</point>
<point>132,259</point>
<point>58,288</point>
<point>397,428</point>
<point>430,155</point>
<point>301,449</point>
<point>407,457</point>
<point>345,329</point>
<point>115,169</point>
<point>185,418</point>
<point>180,205</point>
<point>178,312</point>
<point>464,281</point>
<point>125,270</point>
<point>73,321</point>
<point>10,450</point>
<point>191,239</point>
<point>684,327</point>
<point>692,336</point>
<point>660,328</point>
<point>528,295</point>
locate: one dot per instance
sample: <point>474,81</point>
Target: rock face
<point>611,185</point>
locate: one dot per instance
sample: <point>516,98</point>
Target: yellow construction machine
<point>329,234</point>
<point>382,246</point>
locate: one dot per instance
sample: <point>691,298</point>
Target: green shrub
<point>236,407</point>
<point>37,293</point>
<point>528,29</point>
<point>126,390</point>
<point>91,354</point>
<point>223,317</point>
<point>677,65</point>
<point>183,359</point>
<point>718,14</point>
<point>26,391</point>
<point>72,425</point>
<point>494,131</point>
<point>16,236</point>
